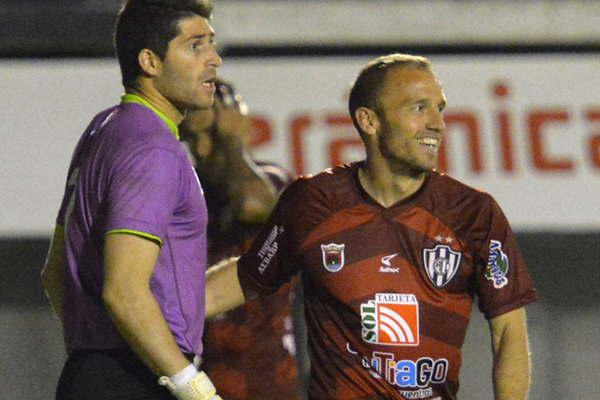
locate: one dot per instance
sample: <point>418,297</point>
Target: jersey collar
<point>134,98</point>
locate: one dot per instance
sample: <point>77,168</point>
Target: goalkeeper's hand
<point>190,384</point>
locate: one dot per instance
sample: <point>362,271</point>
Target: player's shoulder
<point>330,182</point>
<point>327,189</point>
<point>333,178</point>
<point>137,128</point>
<point>457,189</point>
<point>455,195</point>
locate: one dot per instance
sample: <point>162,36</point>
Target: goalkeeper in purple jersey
<point>125,270</point>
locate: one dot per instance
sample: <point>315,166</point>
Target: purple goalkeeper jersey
<point>130,174</point>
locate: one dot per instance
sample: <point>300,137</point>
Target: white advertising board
<point>524,128</point>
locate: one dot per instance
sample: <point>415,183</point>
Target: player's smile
<point>430,143</point>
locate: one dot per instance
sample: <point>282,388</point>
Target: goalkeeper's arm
<point>53,272</point>
<point>129,263</point>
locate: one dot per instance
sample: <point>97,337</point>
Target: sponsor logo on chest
<point>391,319</point>
<point>413,378</point>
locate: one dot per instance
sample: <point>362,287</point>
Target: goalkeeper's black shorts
<point>108,375</point>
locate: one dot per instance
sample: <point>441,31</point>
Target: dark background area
<point>564,267</point>
<point>80,28</point>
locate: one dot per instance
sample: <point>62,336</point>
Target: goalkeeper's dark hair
<point>150,24</point>
<point>371,79</point>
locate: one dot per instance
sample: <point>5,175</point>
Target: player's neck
<point>387,185</point>
<point>160,102</point>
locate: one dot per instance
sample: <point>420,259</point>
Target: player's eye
<point>197,45</point>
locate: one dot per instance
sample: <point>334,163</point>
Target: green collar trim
<point>134,98</point>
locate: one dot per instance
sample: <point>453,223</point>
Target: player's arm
<point>251,194</point>
<point>223,289</point>
<point>148,178</point>
<point>129,262</point>
<point>262,269</point>
<point>512,365</point>
<point>53,272</point>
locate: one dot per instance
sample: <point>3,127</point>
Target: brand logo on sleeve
<point>333,256</point>
<point>497,266</point>
<point>391,319</point>
<point>441,264</point>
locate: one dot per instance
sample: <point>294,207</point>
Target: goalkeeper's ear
<point>149,63</point>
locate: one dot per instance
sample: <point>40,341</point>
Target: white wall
<point>45,105</point>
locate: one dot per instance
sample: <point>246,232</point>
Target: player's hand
<point>199,387</point>
<point>231,123</point>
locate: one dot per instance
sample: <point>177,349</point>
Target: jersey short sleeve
<point>143,192</point>
<point>271,260</point>
<point>503,281</point>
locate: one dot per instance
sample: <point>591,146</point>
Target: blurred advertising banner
<point>524,128</point>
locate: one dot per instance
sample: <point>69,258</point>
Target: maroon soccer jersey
<point>388,291</point>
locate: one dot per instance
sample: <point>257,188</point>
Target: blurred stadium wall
<point>523,83</point>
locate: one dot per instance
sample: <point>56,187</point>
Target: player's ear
<point>367,120</point>
<point>149,62</point>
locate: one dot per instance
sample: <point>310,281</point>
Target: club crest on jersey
<point>441,264</point>
<point>497,266</point>
<point>333,256</point>
<point>391,319</point>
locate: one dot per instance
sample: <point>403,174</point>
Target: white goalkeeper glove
<point>190,384</point>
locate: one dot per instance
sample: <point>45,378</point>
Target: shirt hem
<point>144,235</point>
<point>523,301</point>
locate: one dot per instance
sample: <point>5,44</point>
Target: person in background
<point>391,254</point>
<point>125,271</point>
<point>248,352</point>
